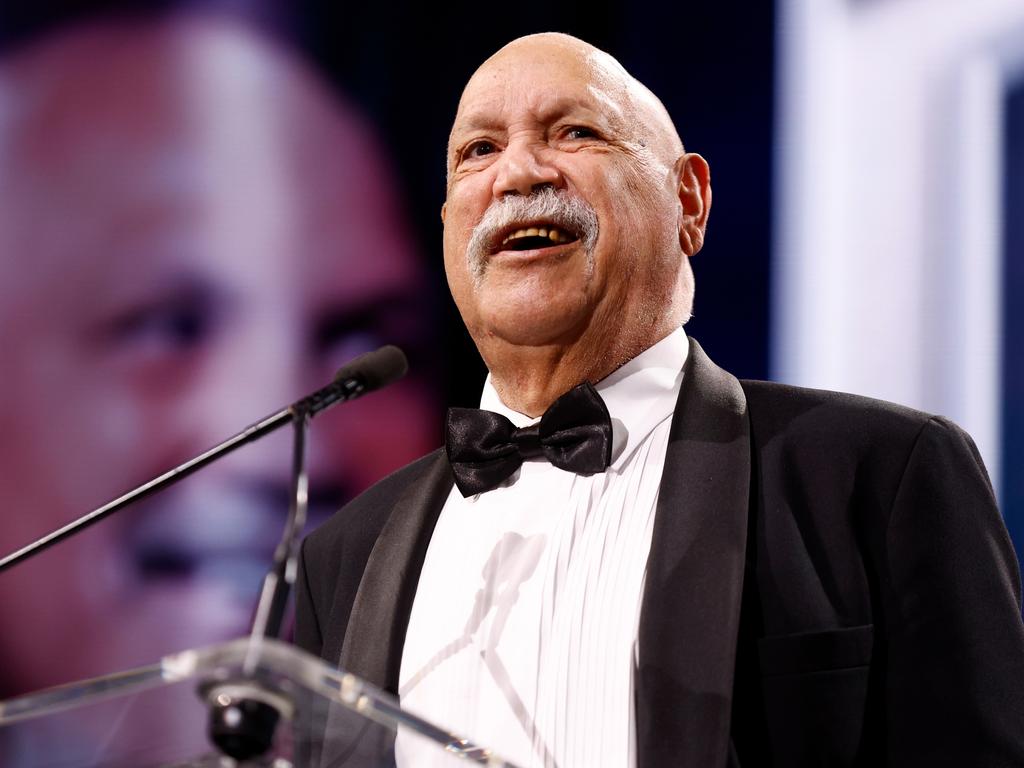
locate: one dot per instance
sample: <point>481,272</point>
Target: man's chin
<point>533,326</point>
<point>533,310</point>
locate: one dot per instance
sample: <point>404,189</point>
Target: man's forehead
<point>553,77</point>
<point>494,111</point>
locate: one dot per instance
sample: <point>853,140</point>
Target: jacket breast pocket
<point>815,687</point>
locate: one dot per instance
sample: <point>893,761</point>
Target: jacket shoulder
<point>840,447</point>
<point>777,410</point>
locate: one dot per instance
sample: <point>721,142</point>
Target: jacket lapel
<point>376,629</point>
<point>690,610</point>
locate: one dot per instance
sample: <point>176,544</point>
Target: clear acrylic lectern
<point>160,716</point>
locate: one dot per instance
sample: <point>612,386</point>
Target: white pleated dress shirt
<point>523,632</point>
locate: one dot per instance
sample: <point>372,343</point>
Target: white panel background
<point>889,172</point>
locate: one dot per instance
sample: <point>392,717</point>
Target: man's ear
<point>444,208</point>
<point>695,200</point>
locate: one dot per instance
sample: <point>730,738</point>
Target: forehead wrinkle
<point>543,106</point>
<point>477,121</point>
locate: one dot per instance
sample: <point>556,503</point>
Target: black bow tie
<point>484,448</point>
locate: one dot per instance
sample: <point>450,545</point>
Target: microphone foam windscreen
<point>376,369</point>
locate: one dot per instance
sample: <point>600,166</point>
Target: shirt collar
<point>639,395</point>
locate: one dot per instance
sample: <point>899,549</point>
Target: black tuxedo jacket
<point>829,584</point>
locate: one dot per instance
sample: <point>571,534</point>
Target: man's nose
<point>525,168</point>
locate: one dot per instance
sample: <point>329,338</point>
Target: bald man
<point>670,566</point>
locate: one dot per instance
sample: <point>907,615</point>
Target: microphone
<point>376,369</point>
<point>369,371</point>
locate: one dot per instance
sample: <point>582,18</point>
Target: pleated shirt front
<point>523,632</point>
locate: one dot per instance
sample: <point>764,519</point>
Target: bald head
<point>565,55</point>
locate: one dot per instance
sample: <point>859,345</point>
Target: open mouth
<point>534,237</point>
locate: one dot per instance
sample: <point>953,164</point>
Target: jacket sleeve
<point>954,659</point>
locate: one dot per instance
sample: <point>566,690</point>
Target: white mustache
<point>566,211</point>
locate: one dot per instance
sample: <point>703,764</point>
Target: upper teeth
<point>551,233</point>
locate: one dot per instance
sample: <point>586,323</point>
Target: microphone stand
<point>244,712</point>
<point>279,580</point>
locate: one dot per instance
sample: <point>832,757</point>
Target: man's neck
<point>528,379</point>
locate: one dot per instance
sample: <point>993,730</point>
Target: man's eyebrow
<point>477,121</point>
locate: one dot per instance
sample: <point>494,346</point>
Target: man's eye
<point>479,149</point>
<point>580,132</point>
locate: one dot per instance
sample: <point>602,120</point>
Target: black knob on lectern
<point>243,718</point>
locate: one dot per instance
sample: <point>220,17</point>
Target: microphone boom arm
<point>363,374</point>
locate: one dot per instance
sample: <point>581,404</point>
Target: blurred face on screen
<point>193,233</point>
